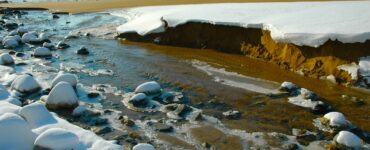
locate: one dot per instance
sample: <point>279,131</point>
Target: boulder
<point>66,77</point>
<point>37,115</point>
<point>82,51</point>
<point>42,52</point>
<point>62,96</point>
<point>15,132</point>
<point>25,84</point>
<point>138,100</point>
<point>62,45</point>
<point>29,37</point>
<point>6,59</point>
<point>57,138</point>
<point>149,88</point>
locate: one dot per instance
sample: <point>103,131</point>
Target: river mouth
<point>199,74</point>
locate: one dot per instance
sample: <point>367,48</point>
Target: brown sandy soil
<point>100,5</point>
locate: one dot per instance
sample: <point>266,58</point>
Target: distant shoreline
<point>101,5</point>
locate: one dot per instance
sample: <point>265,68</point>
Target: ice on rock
<point>37,115</point>
<point>6,59</point>
<point>25,84</point>
<point>62,96</point>
<point>58,139</point>
<point>148,88</point>
<point>15,133</point>
<point>336,119</point>
<point>6,107</point>
<point>348,139</point>
<point>41,52</point>
<point>66,77</point>
<point>143,146</point>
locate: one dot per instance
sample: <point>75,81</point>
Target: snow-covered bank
<point>301,23</point>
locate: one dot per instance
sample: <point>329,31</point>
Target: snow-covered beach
<point>65,79</point>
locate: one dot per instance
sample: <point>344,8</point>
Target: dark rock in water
<point>93,95</point>
<point>12,52</point>
<point>55,16</point>
<point>232,114</point>
<point>83,51</point>
<point>306,139</point>
<point>102,130</point>
<point>62,45</point>
<point>10,26</point>
<point>206,145</point>
<point>45,91</point>
<point>162,127</point>
<point>126,121</point>
<point>321,108</point>
<point>290,146</point>
<point>21,64</point>
<point>19,54</point>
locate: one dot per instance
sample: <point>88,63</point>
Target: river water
<point>211,81</point>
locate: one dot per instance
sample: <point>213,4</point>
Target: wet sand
<point>101,5</point>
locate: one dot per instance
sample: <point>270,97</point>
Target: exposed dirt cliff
<point>314,62</point>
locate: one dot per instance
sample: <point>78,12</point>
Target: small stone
<point>162,127</point>
<point>55,16</point>
<point>83,51</point>
<point>100,130</point>
<point>93,95</point>
<point>11,52</point>
<point>290,146</point>
<point>126,121</point>
<point>232,114</point>
<point>19,54</point>
<point>62,45</point>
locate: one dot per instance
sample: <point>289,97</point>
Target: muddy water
<point>212,81</point>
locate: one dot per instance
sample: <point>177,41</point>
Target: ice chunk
<point>57,138</point>
<point>25,84</point>
<point>66,77</point>
<point>348,139</point>
<point>148,88</point>
<point>62,96</point>
<point>15,133</point>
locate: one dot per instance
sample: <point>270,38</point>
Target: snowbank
<point>15,133</point>
<point>301,23</point>
<point>62,96</point>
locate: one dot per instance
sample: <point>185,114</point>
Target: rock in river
<point>6,59</point>
<point>149,88</point>
<point>347,140</point>
<point>25,84</point>
<point>42,52</point>
<point>57,138</point>
<point>66,77</point>
<point>82,51</point>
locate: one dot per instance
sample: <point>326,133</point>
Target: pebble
<point>83,51</point>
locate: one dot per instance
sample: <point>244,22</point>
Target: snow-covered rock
<point>352,69</point>
<point>66,77</point>
<point>296,24</point>
<point>78,111</point>
<point>41,52</point>
<point>288,86</point>
<point>15,133</point>
<point>336,119</point>
<point>6,70</point>
<point>6,59</point>
<point>25,84</point>
<point>29,37</point>
<point>62,45</point>
<point>138,99</point>
<point>48,45</point>
<point>58,139</point>
<point>348,139</point>
<point>6,107</point>
<point>148,88</point>
<point>143,146</point>
<point>62,96</point>
<point>10,43</point>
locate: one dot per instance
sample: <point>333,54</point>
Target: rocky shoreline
<point>41,92</point>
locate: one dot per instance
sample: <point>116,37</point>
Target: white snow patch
<point>348,139</point>
<point>301,23</point>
